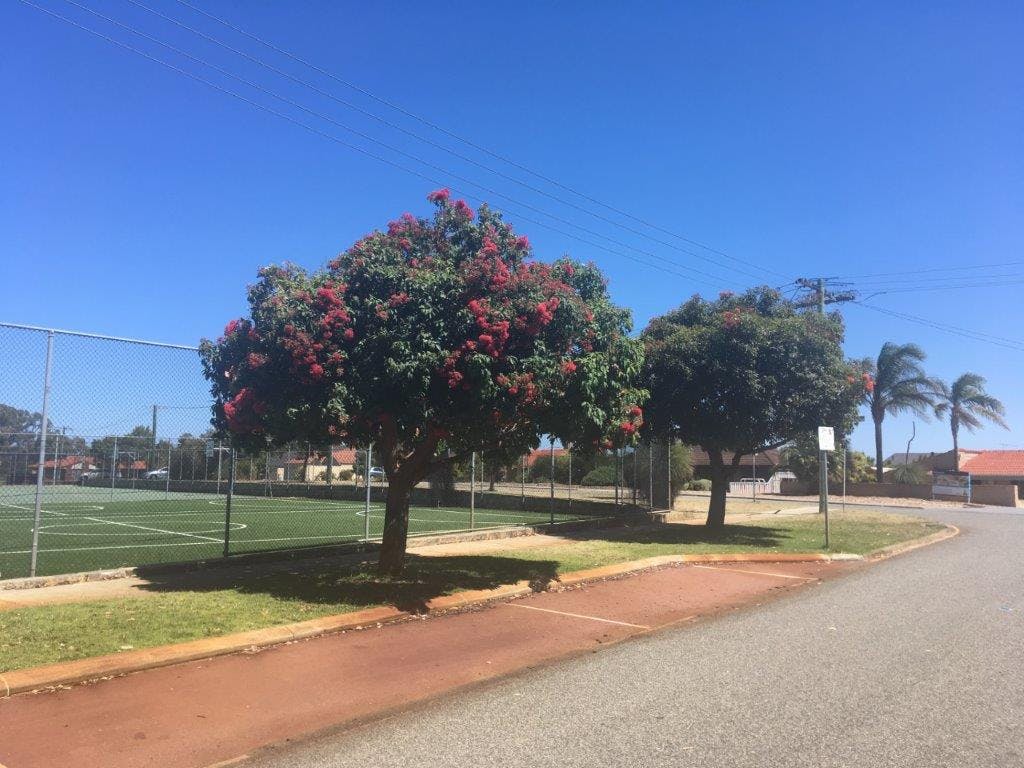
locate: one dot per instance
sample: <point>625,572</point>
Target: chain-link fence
<point>107,459</point>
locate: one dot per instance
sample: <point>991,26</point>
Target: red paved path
<point>196,714</point>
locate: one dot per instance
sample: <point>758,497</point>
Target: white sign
<point>948,483</point>
<point>826,439</point>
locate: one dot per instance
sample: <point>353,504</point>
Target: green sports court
<point>86,528</point>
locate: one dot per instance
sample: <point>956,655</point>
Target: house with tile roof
<point>985,466</point>
<point>343,462</point>
<point>66,469</point>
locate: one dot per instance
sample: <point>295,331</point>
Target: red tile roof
<point>66,462</point>
<point>998,463</point>
<point>341,456</point>
<point>769,458</point>
<point>543,453</point>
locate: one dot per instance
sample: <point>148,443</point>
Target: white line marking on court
<point>155,530</point>
<point>579,616</point>
<point>757,573</point>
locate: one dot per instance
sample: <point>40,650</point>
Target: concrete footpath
<point>202,713</point>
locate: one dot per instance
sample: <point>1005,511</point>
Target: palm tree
<point>966,403</point>
<point>900,384</point>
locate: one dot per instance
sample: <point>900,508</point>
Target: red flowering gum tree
<point>430,340</point>
<point>746,373</point>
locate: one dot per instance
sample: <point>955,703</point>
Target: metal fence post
<point>753,488</point>
<point>568,453</point>
<point>522,488</point>
<point>615,461</point>
<point>650,474</point>
<point>113,468</point>
<point>56,457</point>
<point>551,450</point>
<point>41,469</point>
<point>636,477</point>
<point>228,500</point>
<point>472,490</point>
<point>844,475</point>
<point>369,466</point>
<point>167,483</point>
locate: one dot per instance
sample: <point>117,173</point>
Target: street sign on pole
<point>826,443</point>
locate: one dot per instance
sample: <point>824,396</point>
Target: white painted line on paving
<point>757,573</point>
<point>579,616</point>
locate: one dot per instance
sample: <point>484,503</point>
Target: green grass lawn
<point>87,529</point>
<point>220,601</point>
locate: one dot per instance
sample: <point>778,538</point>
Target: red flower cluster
<point>489,248</point>
<point>242,412</point>
<point>439,195</point>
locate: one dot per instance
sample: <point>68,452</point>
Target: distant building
<point>543,454</point>
<point>762,464</point>
<point>296,468</point>
<point>902,458</point>
<point>66,469</point>
<point>985,466</point>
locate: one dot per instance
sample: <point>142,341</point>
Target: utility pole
<point>818,294</point>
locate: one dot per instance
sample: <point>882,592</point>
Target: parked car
<point>376,472</point>
<point>157,474</point>
<point>90,474</point>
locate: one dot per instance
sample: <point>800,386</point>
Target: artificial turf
<point>91,528</point>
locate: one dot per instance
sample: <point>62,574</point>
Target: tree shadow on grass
<point>752,536</point>
<point>328,581</point>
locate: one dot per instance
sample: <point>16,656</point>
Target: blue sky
<point>803,138</point>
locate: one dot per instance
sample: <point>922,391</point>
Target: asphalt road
<point>917,661</point>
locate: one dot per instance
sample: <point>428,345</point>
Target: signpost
<point>826,443</point>
<point>950,483</point>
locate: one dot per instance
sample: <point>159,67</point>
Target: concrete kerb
<point>101,667</point>
<point>83,670</point>
<point>908,546</point>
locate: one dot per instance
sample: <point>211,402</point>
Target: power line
<point>419,137</point>
<point>453,135</point>
<point>367,137</point>
<point>929,269</point>
<point>964,286</point>
<point>1000,341</point>
<point>363,151</point>
<point>945,279</point>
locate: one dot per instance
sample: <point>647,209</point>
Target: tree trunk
<point>719,487</point>
<point>396,530</point>
<point>955,427</point>
<point>878,451</point>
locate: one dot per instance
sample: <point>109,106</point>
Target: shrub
<point>699,485</point>
<point>908,474</point>
<point>603,475</point>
